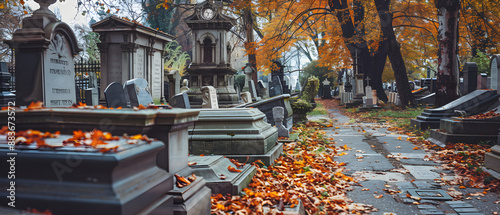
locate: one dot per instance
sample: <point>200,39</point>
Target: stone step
<point>212,167</point>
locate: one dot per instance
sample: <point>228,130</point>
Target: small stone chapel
<point>211,54</point>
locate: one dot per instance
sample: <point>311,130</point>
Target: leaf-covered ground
<point>306,171</point>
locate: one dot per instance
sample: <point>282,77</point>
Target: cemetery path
<point>397,176</point>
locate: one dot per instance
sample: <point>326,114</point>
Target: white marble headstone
<point>58,74</point>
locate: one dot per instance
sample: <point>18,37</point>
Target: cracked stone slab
<point>422,172</point>
<point>430,194</point>
<point>385,176</point>
<point>463,205</point>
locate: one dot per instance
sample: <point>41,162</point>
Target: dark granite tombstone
<point>137,91</point>
<point>277,71</point>
<point>180,100</point>
<point>472,103</point>
<point>470,77</point>
<point>482,81</point>
<point>5,95</point>
<point>275,87</point>
<point>327,90</point>
<point>115,96</point>
<point>91,96</point>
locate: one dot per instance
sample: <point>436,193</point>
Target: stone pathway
<point>391,167</point>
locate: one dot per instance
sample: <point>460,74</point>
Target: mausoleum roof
<point>115,23</point>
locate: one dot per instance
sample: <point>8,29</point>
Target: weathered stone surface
<point>137,91</point>
<point>115,96</point>
<point>267,105</point>
<point>472,103</point>
<point>492,159</point>
<point>279,116</point>
<point>71,181</point>
<point>180,100</point>
<point>211,168</point>
<point>238,131</point>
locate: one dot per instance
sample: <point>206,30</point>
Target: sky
<point>67,9</point>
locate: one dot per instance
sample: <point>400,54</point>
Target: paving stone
<point>465,210</point>
<point>431,211</point>
<point>464,205</point>
<point>455,202</point>
<point>405,185</point>
<point>422,172</point>
<point>426,207</point>
<point>422,185</point>
<point>430,194</point>
<point>425,201</point>
<point>471,214</point>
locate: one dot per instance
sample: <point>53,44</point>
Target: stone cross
<point>209,96</point>
<point>368,80</point>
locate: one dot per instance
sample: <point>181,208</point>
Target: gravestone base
<point>211,168</point>
<point>354,102</point>
<point>267,158</point>
<point>492,159</point>
<point>442,138</point>
<point>427,100</point>
<point>199,203</point>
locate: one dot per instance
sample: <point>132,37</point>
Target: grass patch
<point>319,110</point>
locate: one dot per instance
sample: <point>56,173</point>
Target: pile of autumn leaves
<point>306,172</point>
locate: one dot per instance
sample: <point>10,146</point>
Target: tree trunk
<point>354,39</point>
<point>447,74</point>
<point>394,52</point>
<point>250,44</point>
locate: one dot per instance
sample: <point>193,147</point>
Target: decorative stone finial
<point>44,8</point>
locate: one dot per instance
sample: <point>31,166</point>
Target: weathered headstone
<point>495,77</point>
<point>91,96</point>
<point>174,80</point>
<point>137,91</point>
<point>286,85</point>
<point>482,79</point>
<point>279,116</point>
<point>262,89</point>
<point>368,99</point>
<point>49,46</point>
<point>184,87</point>
<point>115,96</point>
<point>180,100</point>
<point>253,90</point>
<point>327,90</point>
<point>275,88</point>
<point>248,70</point>
<point>246,97</point>
<point>209,95</point>
<point>470,77</point>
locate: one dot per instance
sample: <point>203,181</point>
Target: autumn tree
<point>11,15</point>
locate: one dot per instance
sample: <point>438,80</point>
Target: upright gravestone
<point>209,96</point>
<point>49,46</point>
<point>137,91</point>
<point>115,96</point>
<point>180,100</point>
<point>275,88</point>
<point>262,89</point>
<point>286,85</point>
<point>248,70</point>
<point>470,77</point>
<point>495,77</point>
<point>327,90</point>
<point>91,96</point>
<point>482,81</point>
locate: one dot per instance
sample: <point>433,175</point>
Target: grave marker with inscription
<point>45,70</point>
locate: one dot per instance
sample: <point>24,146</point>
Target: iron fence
<point>87,75</point>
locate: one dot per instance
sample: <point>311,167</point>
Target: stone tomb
<point>213,168</point>
<point>75,180</point>
<point>130,50</point>
<point>473,103</point>
<point>169,126</point>
<point>492,159</point>
<point>49,46</point>
<point>138,92</point>
<point>235,133</point>
<point>466,130</point>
